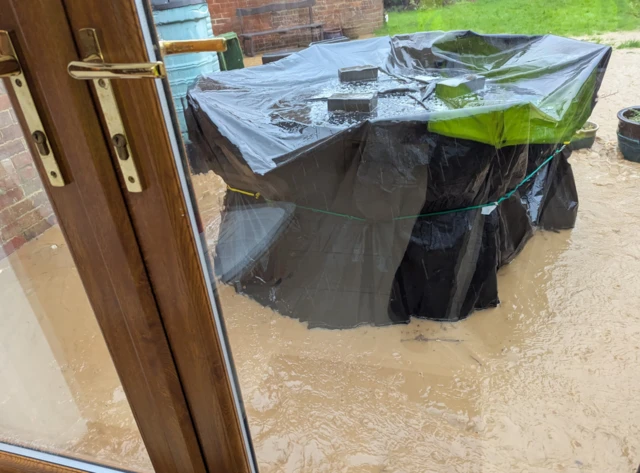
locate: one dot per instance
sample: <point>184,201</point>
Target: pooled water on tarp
<point>395,98</point>
<point>545,382</point>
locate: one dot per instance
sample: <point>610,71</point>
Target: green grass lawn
<point>629,44</point>
<point>560,17</point>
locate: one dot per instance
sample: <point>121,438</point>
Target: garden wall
<point>361,17</point>
<point>25,211</point>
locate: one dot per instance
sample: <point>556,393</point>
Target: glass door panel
<point>59,390</point>
<point>393,241</point>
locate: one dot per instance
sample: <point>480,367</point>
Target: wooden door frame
<point>163,221</point>
<point>97,226</point>
<point>11,463</point>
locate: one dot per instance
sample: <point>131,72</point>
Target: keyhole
<point>41,142</point>
<point>120,143</point>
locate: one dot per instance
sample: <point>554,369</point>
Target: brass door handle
<point>93,68</point>
<point>85,70</point>
<point>10,67</point>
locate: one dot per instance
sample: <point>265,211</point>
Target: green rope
<point>328,212</point>
<point>507,196</point>
<point>497,202</point>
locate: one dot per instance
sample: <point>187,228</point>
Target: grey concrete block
<point>364,103</point>
<point>358,74</point>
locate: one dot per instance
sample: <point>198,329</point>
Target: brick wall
<point>362,16</point>
<point>25,211</point>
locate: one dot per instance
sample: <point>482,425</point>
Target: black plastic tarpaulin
<point>342,219</point>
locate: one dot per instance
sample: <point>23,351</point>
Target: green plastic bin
<point>232,58</point>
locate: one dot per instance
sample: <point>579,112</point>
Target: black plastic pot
<point>585,137</point>
<point>629,134</point>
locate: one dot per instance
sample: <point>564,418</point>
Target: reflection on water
<point>546,382</point>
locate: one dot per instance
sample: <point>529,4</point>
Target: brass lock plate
<point>90,50</point>
<point>10,68</point>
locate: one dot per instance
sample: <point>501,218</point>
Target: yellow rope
<point>240,191</point>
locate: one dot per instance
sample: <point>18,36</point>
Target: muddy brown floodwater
<point>547,382</point>
<point>59,390</point>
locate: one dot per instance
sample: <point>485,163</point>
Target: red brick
<point>36,229</point>
<point>21,225</point>
<point>39,198</point>
<point>5,103</point>
<point>28,172</point>
<point>13,213</point>
<point>10,197</point>
<point>12,132</point>
<point>23,159</point>
<point>12,245</point>
<point>365,15</point>
<point>10,149</point>
<point>10,231</point>
<point>45,209</point>
<point>8,183</point>
<point>32,186</point>
<point>5,118</point>
<point>7,169</point>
